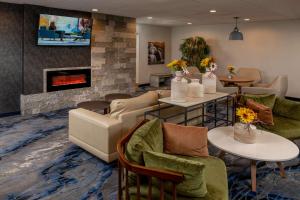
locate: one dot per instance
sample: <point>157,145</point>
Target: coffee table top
<point>268,147</point>
<point>194,101</point>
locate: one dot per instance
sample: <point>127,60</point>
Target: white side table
<point>269,147</point>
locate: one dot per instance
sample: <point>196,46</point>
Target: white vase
<point>195,89</point>
<point>179,87</point>
<point>244,133</point>
<point>209,80</point>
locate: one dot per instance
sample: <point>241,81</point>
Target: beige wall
<point>274,47</point>
<point>145,34</point>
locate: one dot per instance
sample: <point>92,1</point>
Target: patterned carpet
<point>38,162</point>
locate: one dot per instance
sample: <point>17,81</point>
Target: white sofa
<point>99,133</point>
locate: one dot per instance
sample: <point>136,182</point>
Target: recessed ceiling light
<point>212,11</point>
<point>189,23</point>
<point>246,19</point>
<point>149,17</point>
<point>95,10</point>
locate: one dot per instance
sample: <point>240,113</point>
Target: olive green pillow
<point>194,184</point>
<point>267,100</point>
<point>149,137</point>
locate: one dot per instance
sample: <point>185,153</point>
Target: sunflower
<point>246,115</point>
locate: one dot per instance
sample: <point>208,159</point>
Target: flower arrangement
<point>231,69</point>
<point>208,64</point>
<point>245,131</point>
<point>178,65</point>
<point>246,115</point>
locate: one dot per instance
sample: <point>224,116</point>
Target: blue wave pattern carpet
<point>38,162</point>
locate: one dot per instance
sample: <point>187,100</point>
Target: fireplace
<point>64,79</point>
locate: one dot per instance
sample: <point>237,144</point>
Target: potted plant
<point>245,130</point>
<point>194,50</point>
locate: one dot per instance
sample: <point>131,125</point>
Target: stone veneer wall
<point>113,59</point>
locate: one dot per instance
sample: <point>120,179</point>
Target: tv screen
<point>64,31</point>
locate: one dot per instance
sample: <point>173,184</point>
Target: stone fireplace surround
<point>113,60</point>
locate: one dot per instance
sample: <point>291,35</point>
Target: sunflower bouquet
<point>245,131</point>
<point>178,65</point>
<point>208,64</point>
<point>231,69</point>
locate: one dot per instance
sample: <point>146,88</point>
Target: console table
<point>158,79</point>
<point>193,104</point>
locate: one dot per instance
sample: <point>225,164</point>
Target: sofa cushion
<point>194,182</point>
<point>120,106</point>
<point>287,108</point>
<point>185,140</point>
<point>148,137</point>
<point>267,100</point>
<point>215,177</point>
<point>264,113</point>
<point>285,127</point>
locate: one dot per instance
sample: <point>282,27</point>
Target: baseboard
<point>293,98</point>
<point>9,114</point>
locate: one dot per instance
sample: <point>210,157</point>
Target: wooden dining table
<point>235,80</point>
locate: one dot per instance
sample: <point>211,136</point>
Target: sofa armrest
<point>95,130</point>
<point>287,108</point>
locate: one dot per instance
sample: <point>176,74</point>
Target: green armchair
<point>286,114</point>
<point>144,187</point>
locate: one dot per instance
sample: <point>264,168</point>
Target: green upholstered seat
<point>216,182</point>
<point>286,115</point>
<point>285,127</point>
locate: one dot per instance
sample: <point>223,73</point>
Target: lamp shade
<point>236,35</point>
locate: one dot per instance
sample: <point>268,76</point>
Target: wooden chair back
<point>126,166</point>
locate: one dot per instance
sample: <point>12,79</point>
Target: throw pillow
<point>185,140</point>
<point>264,113</point>
<point>120,106</point>
<point>267,100</point>
<point>194,184</point>
<point>148,137</point>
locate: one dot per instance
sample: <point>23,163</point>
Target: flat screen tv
<point>64,31</point>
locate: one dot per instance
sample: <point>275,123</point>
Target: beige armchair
<point>249,72</point>
<point>278,86</point>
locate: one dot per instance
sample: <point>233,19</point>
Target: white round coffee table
<point>268,147</point>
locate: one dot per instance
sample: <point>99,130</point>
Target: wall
<point>113,59</point>
<point>37,58</point>
<point>10,57</point>
<point>271,46</point>
<point>145,34</point>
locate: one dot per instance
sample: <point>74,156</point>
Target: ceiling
<point>179,12</point>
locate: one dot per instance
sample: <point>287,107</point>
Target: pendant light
<point>236,34</point>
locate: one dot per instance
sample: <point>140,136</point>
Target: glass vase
<point>179,87</point>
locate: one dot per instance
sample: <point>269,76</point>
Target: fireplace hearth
<point>64,79</point>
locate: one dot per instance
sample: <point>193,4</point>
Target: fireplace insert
<point>68,79</point>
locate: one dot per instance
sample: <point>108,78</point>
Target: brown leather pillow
<point>185,140</point>
<point>264,113</point>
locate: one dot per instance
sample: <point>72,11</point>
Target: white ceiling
<point>179,12</point>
